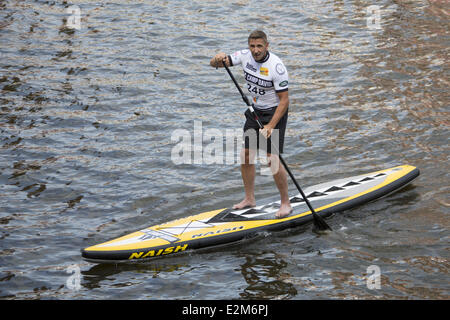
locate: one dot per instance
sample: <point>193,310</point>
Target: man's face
<point>258,48</point>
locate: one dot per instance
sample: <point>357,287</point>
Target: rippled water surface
<point>87,116</point>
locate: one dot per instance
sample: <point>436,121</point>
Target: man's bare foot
<point>284,211</point>
<point>244,204</point>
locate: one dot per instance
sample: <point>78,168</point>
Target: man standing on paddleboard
<point>267,83</point>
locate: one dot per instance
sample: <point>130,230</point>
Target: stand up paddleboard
<point>226,225</point>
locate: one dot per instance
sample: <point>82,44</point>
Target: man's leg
<point>248,177</point>
<point>280,176</point>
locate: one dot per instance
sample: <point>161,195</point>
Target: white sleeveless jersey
<point>264,79</point>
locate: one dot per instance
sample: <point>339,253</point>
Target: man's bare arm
<point>217,60</point>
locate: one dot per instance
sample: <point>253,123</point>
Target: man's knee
<point>248,156</point>
<point>273,161</point>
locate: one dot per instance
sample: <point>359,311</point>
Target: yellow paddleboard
<point>226,225</point>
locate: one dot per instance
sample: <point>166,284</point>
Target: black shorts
<point>254,140</point>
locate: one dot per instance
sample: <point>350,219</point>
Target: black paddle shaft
<point>318,221</point>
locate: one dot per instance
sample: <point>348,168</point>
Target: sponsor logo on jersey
<point>250,67</point>
<point>258,81</point>
<point>283,83</point>
<point>264,71</point>
<point>280,69</point>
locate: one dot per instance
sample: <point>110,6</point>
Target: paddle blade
<point>320,226</point>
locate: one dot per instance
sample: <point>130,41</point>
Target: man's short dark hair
<point>257,34</point>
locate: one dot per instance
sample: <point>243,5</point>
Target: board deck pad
<point>227,225</point>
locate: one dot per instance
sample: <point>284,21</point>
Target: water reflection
<point>261,273</point>
<point>95,275</point>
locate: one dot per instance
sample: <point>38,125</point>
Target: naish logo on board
<point>210,233</point>
<point>155,253</point>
